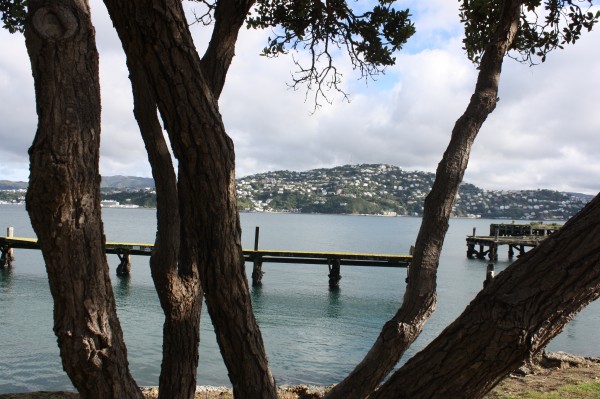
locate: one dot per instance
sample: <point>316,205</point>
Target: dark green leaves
<point>544,26</point>
<point>372,35</point>
<point>369,37</point>
<point>13,14</point>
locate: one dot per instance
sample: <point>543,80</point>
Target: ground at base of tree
<point>562,379</point>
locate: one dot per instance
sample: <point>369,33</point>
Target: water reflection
<point>334,305</point>
<point>6,277</point>
<point>122,288</point>
<point>257,297</point>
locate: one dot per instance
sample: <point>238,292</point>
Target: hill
<point>12,185</point>
<point>374,189</point>
<point>126,182</point>
<point>389,190</point>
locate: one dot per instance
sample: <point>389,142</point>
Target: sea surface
<point>313,335</point>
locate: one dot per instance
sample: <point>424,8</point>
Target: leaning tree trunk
<point>511,320</point>
<point>155,34</point>
<point>420,296</point>
<point>174,272</point>
<point>63,199</point>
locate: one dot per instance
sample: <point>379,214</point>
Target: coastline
<point>558,373</point>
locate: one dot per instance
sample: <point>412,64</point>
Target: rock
<point>562,360</point>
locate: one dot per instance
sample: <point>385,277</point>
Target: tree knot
<point>55,22</point>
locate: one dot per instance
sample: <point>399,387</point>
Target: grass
<point>570,383</point>
<point>572,391</point>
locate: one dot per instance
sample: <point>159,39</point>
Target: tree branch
<point>420,296</point>
<point>229,17</point>
<point>512,319</point>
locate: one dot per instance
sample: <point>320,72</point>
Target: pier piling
<point>124,268</point>
<point>6,252</point>
<point>489,276</point>
<point>257,272</point>
<point>334,273</point>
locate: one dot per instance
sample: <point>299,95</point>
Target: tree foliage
<point>13,14</point>
<point>369,37</point>
<point>543,26</point>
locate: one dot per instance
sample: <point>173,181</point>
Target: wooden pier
<point>518,238</point>
<point>334,260</point>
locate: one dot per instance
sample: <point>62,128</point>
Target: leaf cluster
<point>13,14</point>
<point>370,37</point>
<point>544,26</point>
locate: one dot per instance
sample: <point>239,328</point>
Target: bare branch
<point>323,29</point>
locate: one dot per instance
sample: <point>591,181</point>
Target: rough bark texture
<point>516,316</point>
<point>186,91</point>
<point>229,17</point>
<point>63,199</point>
<point>174,273</point>
<point>420,297</point>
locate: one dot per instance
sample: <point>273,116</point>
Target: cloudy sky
<point>545,132</point>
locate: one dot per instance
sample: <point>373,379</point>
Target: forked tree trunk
<point>420,297</point>
<point>174,271</point>
<point>155,35</point>
<point>512,319</point>
<point>63,199</point>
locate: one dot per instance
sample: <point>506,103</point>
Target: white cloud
<point>544,132</point>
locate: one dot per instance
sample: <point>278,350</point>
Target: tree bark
<point>420,296</point>
<point>186,91</point>
<point>174,272</point>
<point>63,199</point>
<point>511,320</point>
<point>229,18</point>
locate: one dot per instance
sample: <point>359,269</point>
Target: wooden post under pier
<point>411,252</point>
<point>6,252</point>
<point>489,276</point>
<point>124,268</point>
<point>334,273</point>
<point>257,272</point>
<point>493,252</point>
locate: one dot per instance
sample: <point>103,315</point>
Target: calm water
<point>312,335</point>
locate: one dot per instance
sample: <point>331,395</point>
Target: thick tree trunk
<point>516,316</point>
<point>63,199</point>
<point>174,272</point>
<point>155,35</point>
<point>420,297</point>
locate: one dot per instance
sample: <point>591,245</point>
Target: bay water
<point>313,335</point>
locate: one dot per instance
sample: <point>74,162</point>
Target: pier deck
<point>488,245</point>
<point>518,237</point>
<point>333,259</point>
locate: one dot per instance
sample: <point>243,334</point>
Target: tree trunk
<point>63,199</point>
<point>511,320</point>
<point>174,273</point>
<point>420,296</point>
<point>155,34</point>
